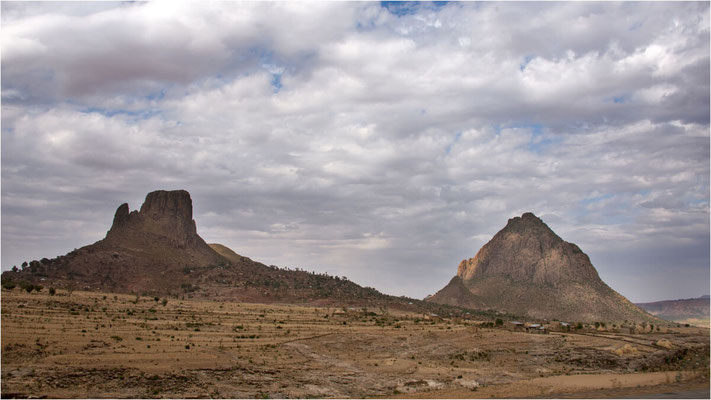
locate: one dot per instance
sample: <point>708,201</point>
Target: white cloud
<point>389,148</point>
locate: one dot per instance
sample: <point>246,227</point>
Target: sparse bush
<point>38,288</point>
<point>189,287</point>
<point>164,302</point>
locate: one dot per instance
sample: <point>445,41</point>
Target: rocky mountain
<point>691,311</point>
<point>526,269</point>
<point>157,251</point>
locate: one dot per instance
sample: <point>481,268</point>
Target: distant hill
<point>156,251</point>
<point>526,269</point>
<point>691,311</point>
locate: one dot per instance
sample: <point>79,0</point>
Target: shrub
<point>499,321</point>
<point>52,291</point>
<point>9,285</point>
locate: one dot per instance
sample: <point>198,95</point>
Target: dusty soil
<point>101,345</point>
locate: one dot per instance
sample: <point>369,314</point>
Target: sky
<point>379,141</point>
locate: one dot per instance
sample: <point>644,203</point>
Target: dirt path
<point>585,386</point>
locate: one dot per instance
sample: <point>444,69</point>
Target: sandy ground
<point>101,345</point>
<point>588,386</point>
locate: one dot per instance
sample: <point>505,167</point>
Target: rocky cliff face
<point>528,270</point>
<point>166,214</point>
<point>528,250</point>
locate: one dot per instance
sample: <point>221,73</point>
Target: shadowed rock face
<point>168,214</point>
<point>528,270</point>
<point>144,251</point>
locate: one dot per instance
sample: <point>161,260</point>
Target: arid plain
<point>101,345</point>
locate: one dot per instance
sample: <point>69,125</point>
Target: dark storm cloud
<point>348,138</point>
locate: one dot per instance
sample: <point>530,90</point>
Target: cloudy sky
<point>376,141</point>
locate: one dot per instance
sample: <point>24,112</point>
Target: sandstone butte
<point>528,270</point>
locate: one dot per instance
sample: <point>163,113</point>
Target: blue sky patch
<point>138,115</point>
<point>525,62</point>
<point>403,8</point>
<point>276,82</point>
<point>457,136</point>
<point>596,199</point>
<point>621,99</point>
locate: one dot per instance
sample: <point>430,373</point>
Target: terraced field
<point>88,344</point>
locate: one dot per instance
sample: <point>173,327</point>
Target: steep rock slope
<point>526,269</point>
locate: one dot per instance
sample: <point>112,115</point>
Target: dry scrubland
<point>84,344</point>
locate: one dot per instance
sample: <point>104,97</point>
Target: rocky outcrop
<point>144,251</point>
<point>528,250</point>
<point>166,214</point>
<point>526,269</point>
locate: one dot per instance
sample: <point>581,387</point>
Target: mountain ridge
<point>157,251</point>
<point>693,310</point>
